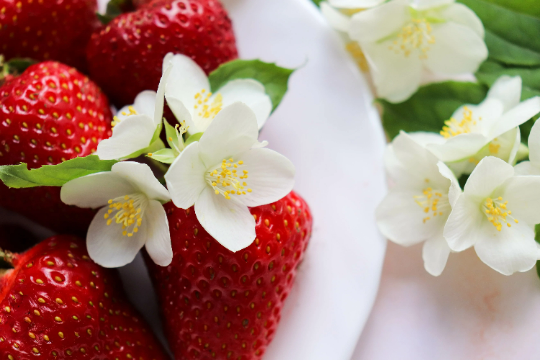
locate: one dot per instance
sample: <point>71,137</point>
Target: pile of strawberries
<point>55,302</point>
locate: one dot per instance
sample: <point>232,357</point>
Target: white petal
<point>455,189</point>
<point>185,178</point>
<point>95,190</point>
<point>144,104</point>
<point>185,80</point>
<point>457,49</point>
<point>233,131</point>
<point>429,4</point>
<point>516,116</point>
<point>534,143</point>
<point>335,18</point>
<point>228,221</point>
<point>250,92</point>
<point>435,254</point>
<point>395,76</point>
<point>166,61</point>
<point>461,14</point>
<point>488,175</point>
<point>509,250</point>
<point>158,238</point>
<point>132,134</point>
<point>459,147</point>
<point>523,196</point>
<point>510,140</point>
<point>400,218</point>
<point>160,96</point>
<point>506,89</point>
<point>355,4</point>
<point>108,247</point>
<point>270,177</point>
<point>526,168</point>
<point>464,225</point>
<point>142,178</point>
<point>181,113</point>
<point>379,22</point>
<point>424,138</point>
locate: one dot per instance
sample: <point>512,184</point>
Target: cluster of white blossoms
<point>499,206</point>
<point>402,40</point>
<point>220,168</point>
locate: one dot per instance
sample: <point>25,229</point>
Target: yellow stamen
<point>226,180</point>
<point>497,213</point>
<point>129,211</point>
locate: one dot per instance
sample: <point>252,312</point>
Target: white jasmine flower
<point>401,38</point>
<point>416,208</point>
<point>489,128</point>
<point>225,173</point>
<point>338,12</point>
<point>189,97</point>
<point>496,214</point>
<point>131,216</point>
<point>531,167</point>
<point>136,128</point>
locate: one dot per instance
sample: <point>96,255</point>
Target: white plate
<point>329,128</point>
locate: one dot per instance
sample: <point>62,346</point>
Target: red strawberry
<point>224,305</point>
<point>47,30</point>
<point>49,114</point>
<point>58,304</point>
<point>126,56</point>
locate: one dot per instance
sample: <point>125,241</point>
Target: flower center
<point>206,109</point>
<point>416,35</point>
<point>455,127</point>
<point>228,178</point>
<point>117,120</point>
<point>432,201</point>
<point>127,211</point>
<point>497,213</point>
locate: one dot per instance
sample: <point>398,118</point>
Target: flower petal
<point>233,131</point>
<point>185,178</point>
<point>461,14</point>
<point>401,219</point>
<point>335,18</point>
<point>506,89</point>
<point>488,175</point>
<point>455,188</point>
<point>228,221</point>
<point>510,250</point>
<point>160,96</point>
<point>516,116</point>
<point>132,134</point>
<point>429,4</point>
<point>523,196</point>
<point>158,237</point>
<point>435,254</point>
<point>464,225</point>
<point>144,104</point>
<point>250,92</point>
<point>379,22</point>
<point>108,247</point>
<point>355,4</point>
<point>142,178</point>
<point>534,143</point>
<point>95,190</point>
<point>457,49</point>
<point>395,76</point>
<point>459,147</point>
<point>270,177</point>
<point>181,113</point>
<point>185,80</point>
<point>527,168</point>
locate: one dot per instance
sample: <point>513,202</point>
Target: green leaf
<point>430,107</point>
<point>528,7</point>
<point>114,8</point>
<point>274,78</point>
<point>19,65</point>
<point>193,138</point>
<point>165,156</point>
<point>172,136</point>
<point>318,2</point>
<point>19,176</point>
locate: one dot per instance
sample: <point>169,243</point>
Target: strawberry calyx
<point>13,67</point>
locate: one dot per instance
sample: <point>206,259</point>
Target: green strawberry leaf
<point>19,176</point>
<point>274,78</point>
<point>428,108</point>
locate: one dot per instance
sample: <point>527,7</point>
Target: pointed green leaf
<point>19,176</point>
<point>165,156</point>
<point>274,78</point>
<point>193,138</point>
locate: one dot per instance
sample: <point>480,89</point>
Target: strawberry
<point>49,114</point>
<point>47,30</point>
<point>56,303</point>
<point>224,305</point>
<point>126,56</point>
